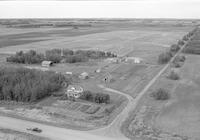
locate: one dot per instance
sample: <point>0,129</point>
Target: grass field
<point>176,118</point>
<point>181,113</point>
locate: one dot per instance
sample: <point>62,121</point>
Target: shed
<point>74,91</point>
<point>113,60</point>
<point>69,73</point>
<point>84,75</point>
<point>98,70</point>
<point>47,63</point>
<point>135,60</point>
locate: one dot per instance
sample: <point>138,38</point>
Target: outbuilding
<point>84,75</point>
<point>98,70</point>
<point>135,60</point>
<point>47,63</point>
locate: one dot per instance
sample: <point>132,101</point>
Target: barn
<point>84,75</point>
<point>135,60</point>
<point>47,63</point>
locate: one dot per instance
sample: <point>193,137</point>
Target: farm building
<point>84,75</point>
<point>98,70</point>
<point>47,63</point>
<point>69,73</point>
<point>113,60</point>
<point>107,78</point>
<point>74,91</point>
<point>135,60</point>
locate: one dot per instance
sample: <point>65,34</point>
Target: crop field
<point>123,39</point>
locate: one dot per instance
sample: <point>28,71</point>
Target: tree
<point>165,57</point>
<point>87,95</point>
<point>25,85</point>
<point>173,75</point>
<point>160,94</point>
<point>174,48</point>
<point>181,42</point>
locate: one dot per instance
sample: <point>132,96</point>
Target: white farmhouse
<point>74,91</point>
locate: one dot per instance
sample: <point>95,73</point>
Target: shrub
<point>95,97</point>
<point>174,48</point>
<point>164,58</point>
<point>185,38</point>
<point>87,95</point>
<point>181,42</point>
<point>176,64</point>
<point>160,94</point>
<point>173,75</point>
<point>180,58</point>
<point>102,98</point>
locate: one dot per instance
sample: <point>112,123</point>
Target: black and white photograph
<point>99,70</point>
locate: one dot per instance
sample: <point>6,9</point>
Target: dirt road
<point>52,132</point>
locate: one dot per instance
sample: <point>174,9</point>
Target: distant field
<point>141,42</point>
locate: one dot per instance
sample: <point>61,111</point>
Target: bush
<point>164,58</point>
<point>181,42</point>
<point>87,95</point>
<point>26,85</point>
<point>180,58</point>
<point>176,64</point>
<point>173,75</point>
<point>160,94</point>
<point>102,98</point>
<point>95,97</point>
<point>174,48</point>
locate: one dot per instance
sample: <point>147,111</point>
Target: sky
<point>100,9</point>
